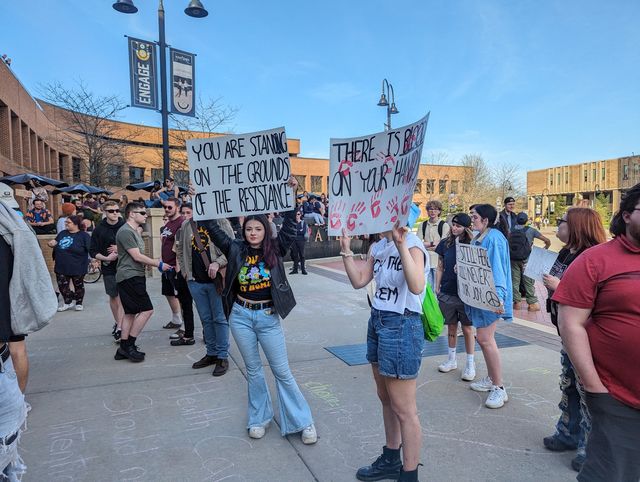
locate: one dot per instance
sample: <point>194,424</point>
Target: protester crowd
<point>229,269</point>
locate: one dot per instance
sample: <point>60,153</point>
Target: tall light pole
<point>383,102</point>
<point>196,10</point>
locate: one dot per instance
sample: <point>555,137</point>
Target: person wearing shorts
<point>132,286</point>
<point>395,338</point>
<point>452,307</point>
<point>103,248</point>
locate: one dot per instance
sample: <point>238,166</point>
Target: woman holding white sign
<point>395,338</point>
<point>490,237</point>
<point>256,295</point>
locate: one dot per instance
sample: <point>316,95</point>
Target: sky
<point>533,83</point>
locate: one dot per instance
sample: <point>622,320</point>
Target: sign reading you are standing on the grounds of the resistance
<point>238,175</point>
<point>372,179</point>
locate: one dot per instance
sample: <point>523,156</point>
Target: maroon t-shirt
<point>606,280</point>
<point>168,235</point>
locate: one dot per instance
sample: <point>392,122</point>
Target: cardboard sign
<point>372,179</point>
<point>238,175</point>
<point>475,278</point>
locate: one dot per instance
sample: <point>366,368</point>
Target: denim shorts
<point>395,342</point>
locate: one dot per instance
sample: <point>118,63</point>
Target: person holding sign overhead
<point>399,263</point>
<point>490,237</point>
<point>255,297</point>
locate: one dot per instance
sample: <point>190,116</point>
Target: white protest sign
<point>475,278</point>
<point>238,175</point>
<point>539,263</point>
<point>372,179</point>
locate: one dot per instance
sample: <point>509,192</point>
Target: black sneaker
<point>304,271</point>
<point>578,461</point>
<point>116,333</point>
<point>135,347</point>
<point>183,341</point>
<point>205,361</point>
<point>554,444</point>
<point>222,365</point>
<point>129,352</point>
<point>293,271</point>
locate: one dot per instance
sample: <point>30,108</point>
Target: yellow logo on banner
<point>142,53</point>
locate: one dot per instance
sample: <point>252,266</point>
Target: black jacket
<point>504,217</point>
<point>236,252</point>
<point>103,236</point>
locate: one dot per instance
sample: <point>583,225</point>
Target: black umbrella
<point>81,188</point>
<point>141,186</point>
<point>28,177</point>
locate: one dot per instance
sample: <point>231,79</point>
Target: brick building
<point>579,184</point>
<point>35,137</point>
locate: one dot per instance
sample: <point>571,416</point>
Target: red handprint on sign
<point>388,161</point>
<point>356,210</point>
<point>392,207</point>
<point>344,167</point>
<point>404,205</point>
<point>335,219</point>
<point>375,204</point>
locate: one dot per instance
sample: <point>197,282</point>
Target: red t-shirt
<point>168,235</point>
<point>606,279</point>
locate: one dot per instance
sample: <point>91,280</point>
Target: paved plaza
<point>97,419</point>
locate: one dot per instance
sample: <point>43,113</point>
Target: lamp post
<point>383,102</point>
<point>545,193</point>
<point>194,9</point>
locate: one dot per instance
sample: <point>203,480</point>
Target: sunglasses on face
<point>112,211</point>
<point>168,208</point>
<point>560,221</point>
<point>144,213</point>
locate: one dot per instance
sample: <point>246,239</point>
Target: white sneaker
<point>469,372</point>
<point>448,366</point>
<point>309,435</point>
<point>497,397</point>
<point>79,308</point>
<point>65,307</point>
<point>483,385</point>
<point>256,432</point>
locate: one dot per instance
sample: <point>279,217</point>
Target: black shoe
<point>135,348</point>
<point>222,365</point>
<point>129,352</point>
<point>171,326</point>
<point>304,271</point>
<point>205,361</point>
<point>554,444</point>
<point>387,466</point>
<point>183,341</point>
<point>293,271</point>
<point>577,462</point>
<point>410,476</point>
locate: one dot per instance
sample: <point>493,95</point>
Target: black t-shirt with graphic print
<point>254,278</point>
<point>198,267</point>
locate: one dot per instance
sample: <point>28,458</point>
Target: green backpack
<point>432,318</point>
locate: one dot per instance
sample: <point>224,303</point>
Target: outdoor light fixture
<point>383,102</point>
<point>125,6</point>
<point>196,10</point>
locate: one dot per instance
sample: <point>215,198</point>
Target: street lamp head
<point>393,109</point>
<point>125,6</point>
<point>383,101</point>
<point>196,9</point>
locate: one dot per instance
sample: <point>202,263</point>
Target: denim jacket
<point>236,251</point>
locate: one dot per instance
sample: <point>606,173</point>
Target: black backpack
<point>519,247</point>
<point>440,228</point>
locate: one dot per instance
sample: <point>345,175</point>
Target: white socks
<point>452,354</point>
<point>177,319</point>
<point>470,360</point>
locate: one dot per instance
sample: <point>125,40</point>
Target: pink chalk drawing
<point>356,210</point>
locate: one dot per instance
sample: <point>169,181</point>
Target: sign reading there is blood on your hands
<point>372,179</point>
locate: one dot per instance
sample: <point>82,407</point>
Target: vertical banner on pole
<point>183,82</point>
<point>142,74</point>
<point>372,179</point>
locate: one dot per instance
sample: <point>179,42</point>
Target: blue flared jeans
<point>253,327</point>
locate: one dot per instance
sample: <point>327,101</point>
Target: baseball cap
<point>522,218</point>
<point>462,219</point>
<point>509,199</point>
<point>6,196</point>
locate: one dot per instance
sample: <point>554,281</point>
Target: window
<point>454,187</point>
<point>136,174</point>
<point>60,167</point>
<point>181,177</point>
<point>418,189</point>
<point>625,172</point>
<point>442,186</point>
<point>75,169</point>
<point>431,186</point>
<point>157,175</point>
<point>604,173</point>
<point>302,181</point>
<point>586,175</point>
<point>566,177</point>
<point>594,174</point>
<point>550,179</point>
<point>636,170</point>
<point>465,186</point>
<point>316,184</point>
<point>114,175</point>
<point>558,179</point>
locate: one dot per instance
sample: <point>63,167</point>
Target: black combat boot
<point>387,466</point>
<point>410,476</point>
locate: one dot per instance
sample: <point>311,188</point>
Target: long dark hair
<point>269,248</point>
<point>464,238</point>
<point>487,211</point>
<point>627,205</point>
<point>77,220</point>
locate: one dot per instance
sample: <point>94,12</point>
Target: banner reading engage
<point>238,175</point>
<point>372,179</point>
<point>475,278</point>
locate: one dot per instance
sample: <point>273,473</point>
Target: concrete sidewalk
<point>97,419</point>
